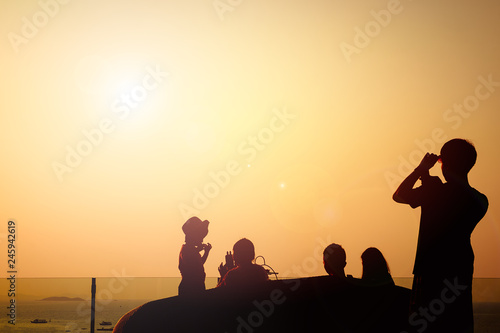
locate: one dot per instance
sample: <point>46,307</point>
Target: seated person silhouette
<point>444,261</point>
<point>334,260</point>
<point>375,269</point>
<point>246,273</point>
<point>190,261</point>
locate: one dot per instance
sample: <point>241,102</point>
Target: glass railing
<point>64,304</point>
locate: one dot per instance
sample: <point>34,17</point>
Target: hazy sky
<point>288,122</point>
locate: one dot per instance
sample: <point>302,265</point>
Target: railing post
<point>92,310</point>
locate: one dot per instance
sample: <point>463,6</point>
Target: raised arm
<point>207,247</point>
<point>402,193</point>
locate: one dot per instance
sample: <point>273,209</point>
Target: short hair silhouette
<point>334,259</point>
<point>246,274</point>
<point>243,251</point>
<point>375,268</point>
<point>458,156</point>
<point>449,213</point>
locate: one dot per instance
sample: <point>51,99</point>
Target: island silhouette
<point>62,299</point>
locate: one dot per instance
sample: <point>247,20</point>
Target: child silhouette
<point>190,261</point>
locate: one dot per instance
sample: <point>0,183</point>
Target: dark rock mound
<point>316,304</point>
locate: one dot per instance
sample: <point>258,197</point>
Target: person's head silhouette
<point>243,252</point>
<point>195,230</point>
<point>458,157</point>
<point>375,268</point>
<point>334,260</point>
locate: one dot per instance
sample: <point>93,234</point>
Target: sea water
<point>65,316</point>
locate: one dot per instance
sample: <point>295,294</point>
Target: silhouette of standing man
<point>444,262</point>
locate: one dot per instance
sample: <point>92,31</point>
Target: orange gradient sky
<point>288,122</point>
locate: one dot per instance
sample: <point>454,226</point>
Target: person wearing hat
<point>190,261</point>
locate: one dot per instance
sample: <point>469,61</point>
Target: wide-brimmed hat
<point>195,227</point>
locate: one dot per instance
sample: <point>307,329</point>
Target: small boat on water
<point>39,321</point>
<point>105,323</point>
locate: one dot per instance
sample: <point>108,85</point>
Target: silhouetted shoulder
<point>245,276</point>
<point>481,199</point>
<point>470,203</point>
